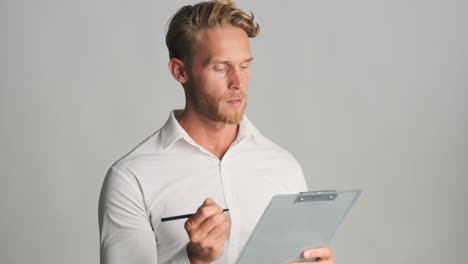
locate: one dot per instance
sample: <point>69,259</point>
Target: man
<point>208,154</point>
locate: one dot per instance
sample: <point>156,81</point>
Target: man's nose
<point>236,79</point>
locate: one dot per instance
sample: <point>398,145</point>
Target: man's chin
<point>229,119</point>
<point>224,115</point>
<point>233,121</point>
<point>234,117</point>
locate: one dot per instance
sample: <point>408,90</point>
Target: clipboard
<point>292,223</point>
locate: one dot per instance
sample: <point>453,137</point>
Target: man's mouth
<point>234,101</point>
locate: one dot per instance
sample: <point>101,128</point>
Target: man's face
<point>220,74</point>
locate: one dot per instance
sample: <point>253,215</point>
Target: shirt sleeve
<point>302,183</point>
<point>298,182</point>
<point>126,235</point>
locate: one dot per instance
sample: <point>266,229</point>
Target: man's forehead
<point>222,44</point>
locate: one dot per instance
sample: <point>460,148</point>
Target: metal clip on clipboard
<point>316,196</point>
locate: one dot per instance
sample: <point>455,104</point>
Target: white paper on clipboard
<point>292,223</point>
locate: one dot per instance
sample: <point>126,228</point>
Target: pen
<point>181,216</point>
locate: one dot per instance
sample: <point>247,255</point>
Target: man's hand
<point>324,255</point>
<point>207,230</point>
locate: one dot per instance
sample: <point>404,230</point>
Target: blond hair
<point>189,20</point>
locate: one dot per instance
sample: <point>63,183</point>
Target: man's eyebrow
<point>225,62</point>
<point>249,59</point>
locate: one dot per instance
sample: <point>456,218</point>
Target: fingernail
<point>307,254</point>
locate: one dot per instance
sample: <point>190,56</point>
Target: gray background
<point>366,94</point>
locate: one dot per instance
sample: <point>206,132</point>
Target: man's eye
<point>245,66</point>
<point>220,68</point>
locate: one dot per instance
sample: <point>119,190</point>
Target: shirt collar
<point>172,131</point>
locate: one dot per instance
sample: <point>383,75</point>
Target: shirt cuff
<point>180,257</point>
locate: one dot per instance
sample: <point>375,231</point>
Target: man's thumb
<point>208,201</point>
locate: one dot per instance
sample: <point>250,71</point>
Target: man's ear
<point>178,70</point>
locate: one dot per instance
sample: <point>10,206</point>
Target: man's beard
<point>217,109</point>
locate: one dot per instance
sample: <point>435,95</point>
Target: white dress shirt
<point>169,174</point>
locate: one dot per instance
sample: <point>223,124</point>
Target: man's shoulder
<point>280,162</point>
<point>147,149</point>
<point>264,143</point>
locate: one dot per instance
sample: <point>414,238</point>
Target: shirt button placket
<point>230,199</point>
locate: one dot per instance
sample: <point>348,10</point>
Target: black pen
<point>182,216</point>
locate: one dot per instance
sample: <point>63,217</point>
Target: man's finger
<point>208,201</point>
<point>322,253</point>
<point>219,231</point>
<point>315,262</point>
<point>211,222</point>
<point>206,210</point>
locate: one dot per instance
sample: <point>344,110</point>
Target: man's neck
<point>214,136</point>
